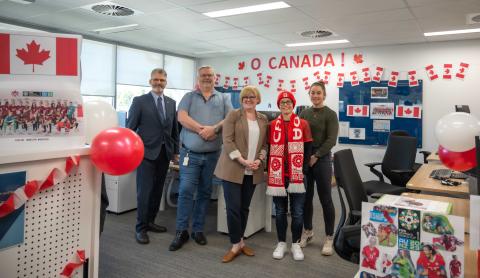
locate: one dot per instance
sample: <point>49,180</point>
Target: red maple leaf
<point>447,71</point>
<point>33,56</point>
<point>241,65</point>
<point>358,110</point>
<point>358,58</point>
<point>354,77</point>
<point>412,77</point>
<point>408,111</point>
<point>393,78</point>
<point>430,72</point>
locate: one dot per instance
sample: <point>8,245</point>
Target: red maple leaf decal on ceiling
<point>33,56</point>
<point>358,58</point>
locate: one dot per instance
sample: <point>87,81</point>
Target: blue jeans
<point>297,201</point>
<point>196,177</point>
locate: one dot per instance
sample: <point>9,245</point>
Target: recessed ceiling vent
<point>111,9</point>
<point>473,18</point>
<point>316,34</point>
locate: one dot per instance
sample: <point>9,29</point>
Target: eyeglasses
<point>286,102</point>
<point>206,75</point>
<point>249,97</point>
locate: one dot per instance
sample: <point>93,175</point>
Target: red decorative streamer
<point>27,191</point>
<point>77,260</point>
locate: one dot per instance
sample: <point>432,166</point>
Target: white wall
<point>439,96</point>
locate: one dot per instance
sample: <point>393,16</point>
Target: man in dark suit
<point>153,117</point>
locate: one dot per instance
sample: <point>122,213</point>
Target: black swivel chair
<point>347,235</point>
<point>398,165</point>
<point>405,133</point>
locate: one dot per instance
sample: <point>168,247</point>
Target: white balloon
<point>99,115</point>
<point>456,131</point>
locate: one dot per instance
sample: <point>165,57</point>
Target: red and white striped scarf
<point>276,167</point>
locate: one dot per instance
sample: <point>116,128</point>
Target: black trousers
<point>321,174</point>
<point>237,199</point>
<point>150,181</point>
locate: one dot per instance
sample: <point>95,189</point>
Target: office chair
<point>347,235</point>
<point>398,165</point>
<point>424,153</point>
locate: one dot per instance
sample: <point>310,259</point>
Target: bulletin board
<point>369,111</point>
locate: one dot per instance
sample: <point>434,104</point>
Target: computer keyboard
<point>447,173</point>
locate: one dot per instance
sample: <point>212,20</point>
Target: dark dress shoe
<point>142,237</point>
<point>180,238</point>
<point>156,228</point>
<point>199,238</point>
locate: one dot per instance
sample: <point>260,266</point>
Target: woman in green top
<point>324,126</point>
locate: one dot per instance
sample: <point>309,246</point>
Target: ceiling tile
<point>263,18</point>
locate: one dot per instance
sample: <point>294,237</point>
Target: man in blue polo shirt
<point>201,114</point>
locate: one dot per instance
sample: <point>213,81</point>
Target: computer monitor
<point>462,108</point>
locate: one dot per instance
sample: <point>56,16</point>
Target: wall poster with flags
<point>40,102</point>
<point>364,105</point>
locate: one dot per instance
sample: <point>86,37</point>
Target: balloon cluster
<point>114,150</point>
<point>455,134</point>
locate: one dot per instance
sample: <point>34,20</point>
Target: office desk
<point>422,181</point>
<point>433,158</point>
<point>461,207</point>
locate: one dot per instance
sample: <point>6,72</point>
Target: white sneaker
<point>307,235</point>
<point>280,250</point>
<point>297,252</point>
<point>327,249</point>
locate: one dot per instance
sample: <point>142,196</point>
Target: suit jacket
<point>235,143</point>
<point>143,118</point>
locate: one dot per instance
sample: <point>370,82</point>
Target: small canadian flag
<point>267,82</point>
<point>217,79</point>
<point>366,75</point>
<point>326,77</point>
<point>39,54</point>
<point>447,71</point>
<point>293,87</point>
<point>340,79</point>
<point>280,85</point>
<point>317,75</point>
<point>393,80</point>
<point>378,74</point>
<point>246,81</point>
<point>260,80</point>
<point>462,70</point>
<point>412,78</point>
<point>227,82</point>
<point>358,110</point>
<point>404,111</point>
<point>354,77</point>
<point>235,83</point>
<point>431,72</point>
<point>305,83</point>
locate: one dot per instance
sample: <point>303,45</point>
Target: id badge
<point>185,161</point>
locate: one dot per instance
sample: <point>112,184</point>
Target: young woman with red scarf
<point>290,142</point>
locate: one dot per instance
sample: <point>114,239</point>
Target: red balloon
<point>459,161</point>
<point>117,151</point>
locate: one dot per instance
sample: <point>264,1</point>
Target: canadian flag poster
<point>357,110</point>
<point>462,70</point>
<point>393,80</point>
<point>447,71</point>
<point>431,72</point>
<point>354,77</point>
<point>40,91</point>
<point>378,74</point>
<point>326,77</point>
<point>412,78</point>
<point>366,75</point>
<point>45,55</point>
<point>404,111</point>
